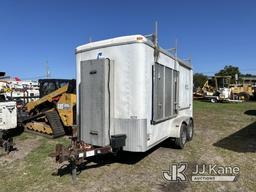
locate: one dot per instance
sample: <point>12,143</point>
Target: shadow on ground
<point>13,132</point>
<point>241,141</point>
<point>122,157</point>
<point>250,112</point>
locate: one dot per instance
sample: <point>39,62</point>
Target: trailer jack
<point>73,171</point>
<point>6,142</point>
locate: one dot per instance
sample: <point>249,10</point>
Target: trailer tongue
<point>79,151</point>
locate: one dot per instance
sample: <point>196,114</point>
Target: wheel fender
<point>176,126</point>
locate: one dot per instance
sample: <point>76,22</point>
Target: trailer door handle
<point>94,132</point>
<point>93,72</point>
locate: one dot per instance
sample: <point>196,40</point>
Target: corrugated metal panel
<point>135,130</point>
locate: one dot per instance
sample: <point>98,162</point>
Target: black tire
<point>190,130</point>
<point>244,95</point>
<point>181,141</point>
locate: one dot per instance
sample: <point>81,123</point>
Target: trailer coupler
<point>79,152</point>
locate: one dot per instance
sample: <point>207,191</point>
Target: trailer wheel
<point>181,141</point>
<point>214,100</point>
<point>190,130</point>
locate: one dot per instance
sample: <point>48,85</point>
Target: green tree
<point>229,70</point>
<point>199,80</point>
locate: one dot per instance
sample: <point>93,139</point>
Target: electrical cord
<point>109,100</point>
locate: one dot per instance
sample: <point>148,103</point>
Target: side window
<point>165,93</point>
<point>168,92</point>
<point>47,88</point>
<point>158,96</point>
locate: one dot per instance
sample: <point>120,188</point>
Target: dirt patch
<point>23,148</point>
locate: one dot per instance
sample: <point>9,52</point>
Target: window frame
<point>174,110</point>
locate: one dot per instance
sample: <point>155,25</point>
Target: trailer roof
<point>126,40</point>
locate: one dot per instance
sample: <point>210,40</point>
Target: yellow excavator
<point>53,115</point>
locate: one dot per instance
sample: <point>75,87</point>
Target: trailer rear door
<point>94,102</point>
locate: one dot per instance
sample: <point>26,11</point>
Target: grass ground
<point>225,134</point>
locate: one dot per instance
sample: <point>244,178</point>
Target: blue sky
<point>215,33</point>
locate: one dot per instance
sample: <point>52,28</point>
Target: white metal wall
<point>8,115</point>
<point>133,93</point>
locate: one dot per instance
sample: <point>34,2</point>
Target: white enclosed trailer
<point>131,94</point>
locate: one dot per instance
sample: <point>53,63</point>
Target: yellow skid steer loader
<point>53,115</point>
